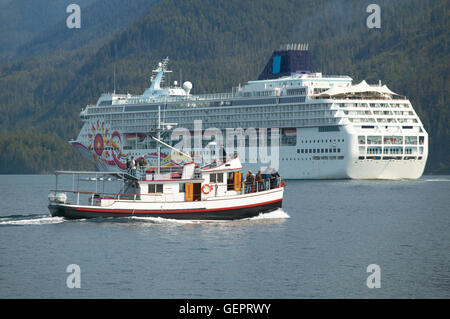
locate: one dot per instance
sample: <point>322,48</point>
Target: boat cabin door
<point>197,192</point>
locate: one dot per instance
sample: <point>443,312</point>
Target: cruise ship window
<point>421,139</point>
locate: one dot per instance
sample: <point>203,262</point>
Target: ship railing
<point>215,96</point>
<point>336,76</point>
<point>167,99</point>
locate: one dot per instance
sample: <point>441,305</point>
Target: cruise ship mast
<point>156,89</point>
<point>159,77</point>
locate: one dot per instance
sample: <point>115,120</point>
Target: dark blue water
<point>319,246</point>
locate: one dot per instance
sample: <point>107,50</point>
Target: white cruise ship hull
<point>340,159</point>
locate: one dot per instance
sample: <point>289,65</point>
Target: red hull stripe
<point>131,211</point>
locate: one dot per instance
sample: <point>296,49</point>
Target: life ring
<point>206,191</point>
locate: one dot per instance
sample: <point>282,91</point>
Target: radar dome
<point>187,86</point>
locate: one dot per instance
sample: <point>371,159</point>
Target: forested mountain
<point>22,20</point>
<point>100,22</point>
<point>218,44</point>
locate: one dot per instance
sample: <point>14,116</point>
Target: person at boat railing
<point>271,177</point>
<point>142,165</point>
<point>133,166</point>
<point>128,166</point>
<point>259,181</point>
<point>223,154</point>
<point>249,180</point>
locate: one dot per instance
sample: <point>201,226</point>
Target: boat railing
<point>263,185</point>
<point>170,172</point>
<point>96,196</point>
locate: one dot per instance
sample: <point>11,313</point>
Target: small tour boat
<point>212,192</point>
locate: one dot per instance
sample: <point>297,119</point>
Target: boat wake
<point>277,214</point>
<point>160,220</point>
<point>436,180</point>
<point>45,219</point>
<point>21,220</point>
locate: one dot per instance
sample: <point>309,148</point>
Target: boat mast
<point>158,139</point>
<point>158,132</point>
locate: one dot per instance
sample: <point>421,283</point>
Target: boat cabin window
<point>216,178</point>
<point>155,188</point>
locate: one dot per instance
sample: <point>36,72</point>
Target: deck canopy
<point>362,90</point>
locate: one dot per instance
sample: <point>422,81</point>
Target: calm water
<point>318,246</point>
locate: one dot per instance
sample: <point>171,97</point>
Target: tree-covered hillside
<point>100,23</point>
<point>218,44</point>
<point>22,20</point>
<point>27,153</point>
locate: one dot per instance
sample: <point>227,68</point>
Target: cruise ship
<point>302,123</point>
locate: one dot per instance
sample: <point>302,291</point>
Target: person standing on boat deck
<point>259,180</point>
<point>142,164</point>
<point>259,176</point>
<point>128,166</point>
<point>249,180</point>
<point>223,154</point>
<point>133,166</point>
<point>247,177</point>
